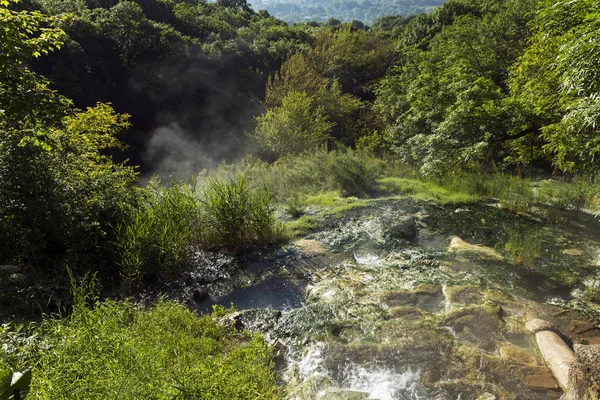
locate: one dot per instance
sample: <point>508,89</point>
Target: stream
<point>401,299</point>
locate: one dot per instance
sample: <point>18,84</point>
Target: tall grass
<point>234,216</point>
<point>119,350</point>
<point>524,245</point>
<point>161,235</point>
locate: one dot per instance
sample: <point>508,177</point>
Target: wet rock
<point>573,252</point>
<point>429,297</point>
<point>581,326</point>
<point>477,326</point>
<point>557,355</point>
<point>259,320</point>
<point>406,229</point>
<point>408,313</point>
<point>584,376</point>
<point>398,298</point>
<point>310,388</point>
<point>542,379</point>
<point>310,248</point>
<point>516,355</point>
<point>426,297</point>
<point>536,325</point>
<point>460,246</point>
<point>463,294</point>
<point>199,295</point>
<point>17,279</point>
<point>341,394</point>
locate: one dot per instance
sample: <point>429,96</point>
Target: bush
<point>121,350</point>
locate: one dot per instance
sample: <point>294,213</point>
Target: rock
<point>310,248</point>
<point>479,326</point>
<point>542,379</point>
<point>9,269</point>
<point>407,313</point>
<point>464,294</point>
<point>584,377</point>
<point>536,325</point>
<point>406,229</point>
<point>199,295</point>
<point>517,355</point>
<point>17,279</point>
<point>486,396</point>
<point>341,394</point>
<point>573,252</point>
<point>581,326</point>
<point>557,354</point>
<point>460,246</point>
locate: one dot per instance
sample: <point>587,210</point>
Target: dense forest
<point>110,109</point>
<point>366,11</point>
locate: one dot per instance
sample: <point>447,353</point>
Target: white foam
<point>313,362</point>
<point>380,384</point>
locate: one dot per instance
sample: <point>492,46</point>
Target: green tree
<point>558,81</point>
<point>293,127</point>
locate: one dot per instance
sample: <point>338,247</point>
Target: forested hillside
<point>366,11</point>
<point>178,147</point>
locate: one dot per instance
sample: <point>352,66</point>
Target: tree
<point>558,81</point>
<point>60,194</point>
<point>293,127</point>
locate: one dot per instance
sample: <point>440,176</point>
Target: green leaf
<point>5,383</point>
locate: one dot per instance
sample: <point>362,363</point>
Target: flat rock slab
<point>581,326</point>
<point>542,379</point>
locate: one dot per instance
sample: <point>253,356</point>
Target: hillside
<point>366,11</point>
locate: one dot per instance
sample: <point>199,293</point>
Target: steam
<point>174,152</point>
<point>205,111</point>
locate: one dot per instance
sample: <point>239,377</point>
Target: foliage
<point>557,79</point>
<point>25,97</point>
<point>61,198</point>
<point>293,127</point>
<point>121,350</point>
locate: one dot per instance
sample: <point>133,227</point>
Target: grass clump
<point>524,245</point>
<point>423,190</point>
<point>119,350</point>
<point>157,236</point>
<point>161,235</point>
<point>234,216</point>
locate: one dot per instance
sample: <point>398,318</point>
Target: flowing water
<point>375,305</point>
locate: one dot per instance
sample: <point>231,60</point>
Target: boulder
<point>581,326</point>
<point>584,376</point>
